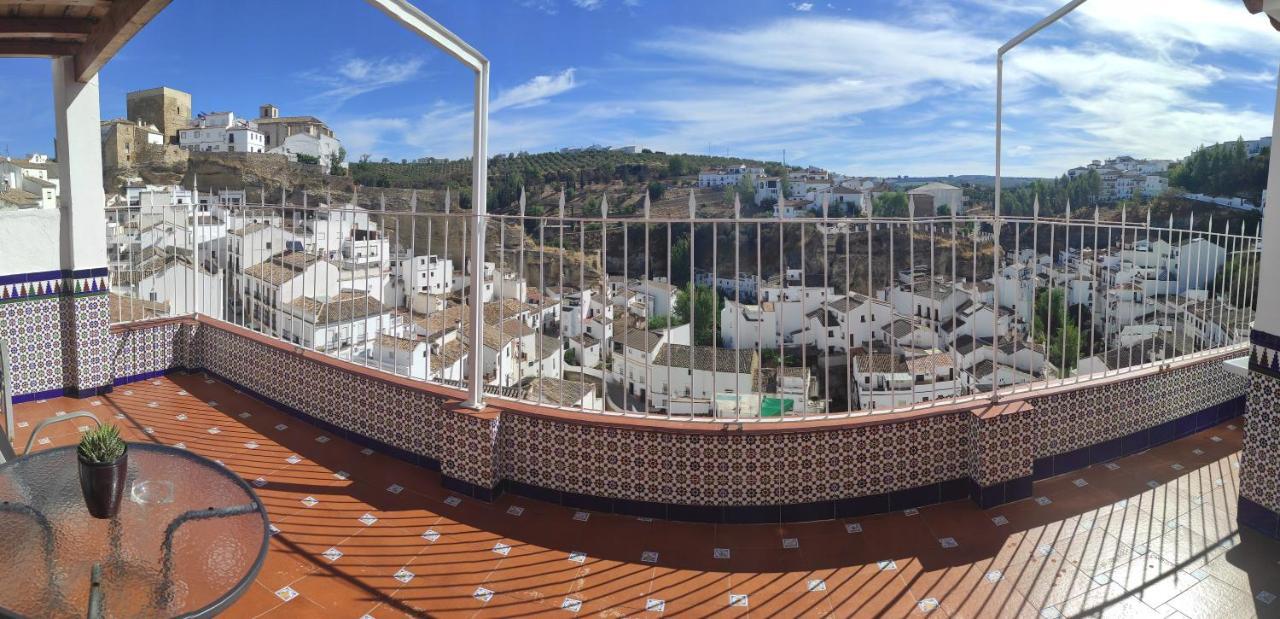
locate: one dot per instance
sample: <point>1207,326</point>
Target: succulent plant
<point>101,445</point>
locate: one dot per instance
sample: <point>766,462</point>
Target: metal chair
<point>6,450</point>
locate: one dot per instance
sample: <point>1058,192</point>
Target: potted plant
<point>104,462</point>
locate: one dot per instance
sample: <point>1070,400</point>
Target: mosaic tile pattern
<point>734,469</point>
<point>33,329</point>
<point>1082,417</point>
<point>408,419</point>
<point>145,351</point>
<point>1259,466</point>
<point>86,323</point>
<point>1004,447</point>
<point>689,468</point>
<point>56,326</point>
<point>467,449</point>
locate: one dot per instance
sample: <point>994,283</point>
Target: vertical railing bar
<point>1035,278</point>
<point>893,317</point>
<point>583,305</point>
<point>916,305</point>
<point>1196,238</point>
<point>759,343</point>
<point>934,284</point>
<point>782,297</point>
<point>693,313</point>
<point>737,299</point>
<point>974,347</point>
<point>1017,301</point>
<point>1105,308</point>
<point>1052,285</point>
<point>956,388</point>
<point>605,305</point>
<point>826,312</point>
<point>996,260</point>
<point>670,389</point>
<point>871,307</point>
<point>715,359</point>
<point>1224,283</point>
<point>1168,273</point>
<point>804,291</point>
<point>846,317</point>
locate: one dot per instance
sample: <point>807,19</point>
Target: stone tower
<point>168,109</point>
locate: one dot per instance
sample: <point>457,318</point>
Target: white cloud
<point>546,6</point>
<point>872,96</point>
<point>364,136</point>
<point>803,7</point>
<point>1170,26</point>
<point>354,76</point>
<point>589,5</point>
<point>535,91</point>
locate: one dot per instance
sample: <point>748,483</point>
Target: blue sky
<point>867,87</point>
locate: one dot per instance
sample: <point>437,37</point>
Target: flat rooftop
<point>1136,537</point>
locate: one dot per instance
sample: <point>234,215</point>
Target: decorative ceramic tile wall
<point>33,328</point>
<point>734,468</point>
<point>1004,446</point>
<point>712,469</point>
<point>408,419</point>
<point>56,325</point>
<point>468,449</point>
<point>144,351</point>
<point>1259,464</point>
<point>86,334</point>
<point>1090,415</point>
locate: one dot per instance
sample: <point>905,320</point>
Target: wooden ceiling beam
<point>44,28</point>
<point>88,3</point>
<point>108,36</point>
<point>36,48</point>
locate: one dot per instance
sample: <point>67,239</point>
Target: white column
<point>79,143</point>
<point>1267,318</point>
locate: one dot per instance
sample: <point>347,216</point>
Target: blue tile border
<point>1142,440</point>
<point>921,496</point>
<point>1258,518</point>
<point>39,395</point>
<point>40,276</point>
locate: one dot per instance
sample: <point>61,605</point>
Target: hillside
<point>538,173</point>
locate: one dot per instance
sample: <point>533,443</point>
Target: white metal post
<point>479,205</point>
<point>414,19</point>
<point>995,222</point>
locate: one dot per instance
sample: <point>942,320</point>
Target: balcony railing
<point>723,301</point>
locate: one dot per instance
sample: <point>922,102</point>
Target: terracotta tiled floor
<point>1104,543</point>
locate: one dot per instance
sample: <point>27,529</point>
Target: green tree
<point>657,189</point>
<point>680,259</point>
<point>706,310</point>
<point>890,204</point>
<point>746,189</point>
<point>1237,280</point>
<point>677,166</point>
<point>1054,327</point>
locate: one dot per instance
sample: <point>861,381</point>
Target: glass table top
<point>189,538</point>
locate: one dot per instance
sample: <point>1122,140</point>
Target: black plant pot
<point>103,485</point>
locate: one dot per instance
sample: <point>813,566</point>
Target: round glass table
<point>188,541</point>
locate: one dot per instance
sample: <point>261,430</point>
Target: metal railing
<point>696,306</point>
